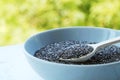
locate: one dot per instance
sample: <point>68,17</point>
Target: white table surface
<point>14,66</point>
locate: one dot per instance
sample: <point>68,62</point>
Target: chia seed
<point>74,49</point>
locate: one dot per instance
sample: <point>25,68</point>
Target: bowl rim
<point>62,64</point>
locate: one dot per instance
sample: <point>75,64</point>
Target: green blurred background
<point>21,18</point>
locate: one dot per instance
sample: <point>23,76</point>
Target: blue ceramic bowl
<point>58,71</point>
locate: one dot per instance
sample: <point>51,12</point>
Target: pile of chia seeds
<point>74,49</point>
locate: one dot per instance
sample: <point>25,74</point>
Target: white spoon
<point>95,47</point>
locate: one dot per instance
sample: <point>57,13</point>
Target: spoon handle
<point>107,42</point>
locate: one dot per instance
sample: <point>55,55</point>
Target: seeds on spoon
<point>64,49</point>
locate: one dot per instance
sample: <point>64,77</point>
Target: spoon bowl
<point>58,71</point>
<point>95,47</point>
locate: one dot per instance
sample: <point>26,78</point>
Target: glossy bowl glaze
<point>58,71</point>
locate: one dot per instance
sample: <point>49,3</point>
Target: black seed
<point>75,49</point>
